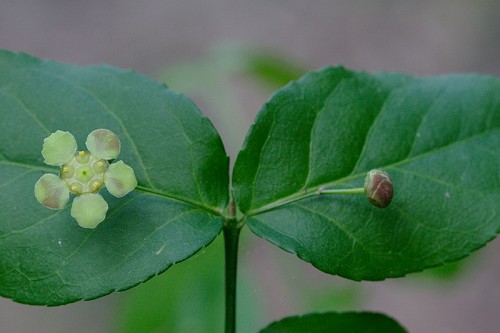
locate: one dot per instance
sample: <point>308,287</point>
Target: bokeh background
<point>229,56</point>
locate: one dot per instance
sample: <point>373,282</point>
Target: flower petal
<point>51,191</point>
<point>89,210</point>
<point>103,143</point>
<point>58,148</point>
<point>120,179</point>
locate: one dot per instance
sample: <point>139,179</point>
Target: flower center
<point>84,173</point>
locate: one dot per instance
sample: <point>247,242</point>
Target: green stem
<point>193,203</point>
<point>304,195</point>
<point>231,232</point>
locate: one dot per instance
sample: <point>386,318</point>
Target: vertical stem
<point>231,232</point>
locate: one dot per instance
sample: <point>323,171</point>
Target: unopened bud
<point>378,188</point>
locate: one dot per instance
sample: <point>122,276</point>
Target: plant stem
<point>231,232</point>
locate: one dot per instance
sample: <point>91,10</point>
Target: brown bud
<point>378,188</point>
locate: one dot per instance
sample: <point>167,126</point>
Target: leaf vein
<point>20,231</point>
<point>332,220</point>
<point>144,242</point>
<point>9,181</point>
<point>422,119</point>
<point>313,128</point>
<point>370,131</point>
<point>26,110</point>
<point>26,166</point>
<point>190,142</point>
<point>308,193</point>
<point>212,210</point>
<point>93,230</point>
<point>259,163</point>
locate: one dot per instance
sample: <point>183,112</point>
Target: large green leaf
<point>438,137</point>
<point>347,322</point>
<point>177,156</point>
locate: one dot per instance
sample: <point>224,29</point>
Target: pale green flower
<point>83,174</point>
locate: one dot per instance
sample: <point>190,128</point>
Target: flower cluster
<point>83,174</point>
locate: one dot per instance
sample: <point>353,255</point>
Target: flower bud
<point>378,188</point>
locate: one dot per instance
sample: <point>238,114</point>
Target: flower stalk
<point>377,188</point>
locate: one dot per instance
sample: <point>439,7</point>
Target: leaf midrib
<point>312,191</point>
<point>213,210</point>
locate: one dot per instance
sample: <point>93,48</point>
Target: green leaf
<point>177,156</point>
<point>438,137</point>
<point>347,322</point>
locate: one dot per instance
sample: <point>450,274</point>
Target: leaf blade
<point>388,121</point>
<point>332,322</point>
<point>174,150</point>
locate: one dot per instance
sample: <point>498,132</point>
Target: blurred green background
<point>229,56</point>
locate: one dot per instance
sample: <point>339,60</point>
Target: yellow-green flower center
<point>84,173</point>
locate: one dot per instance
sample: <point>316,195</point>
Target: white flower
<point>83,174</point>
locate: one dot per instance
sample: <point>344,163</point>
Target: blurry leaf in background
<point>331,296</point>
<point>450,271</point>
<point>190,298</point>
<point>271,69</point>
<point>295,286</point>
<point>214,81</point>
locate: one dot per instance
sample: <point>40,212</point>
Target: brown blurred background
<point>189,44</point>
